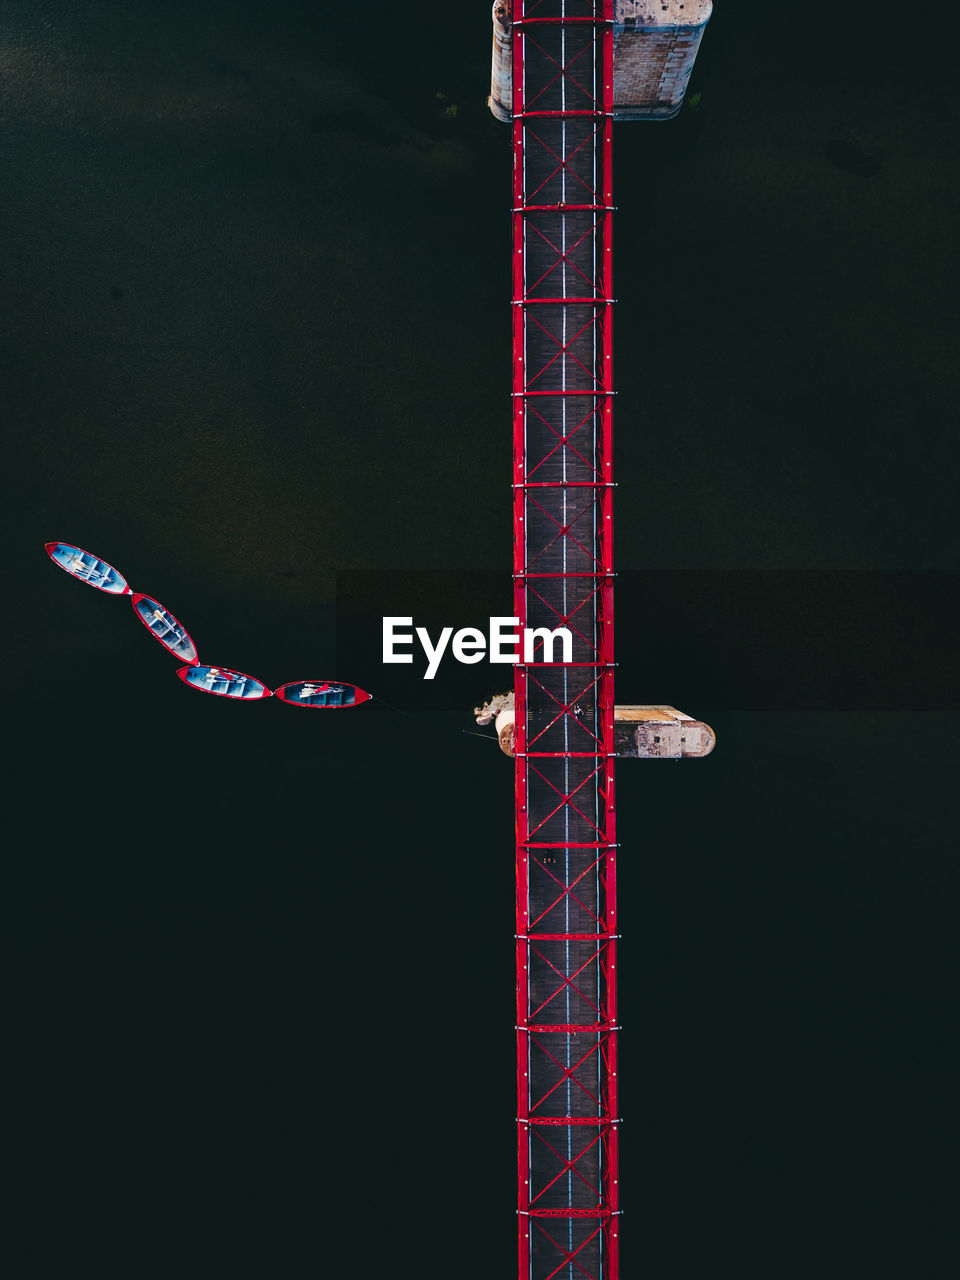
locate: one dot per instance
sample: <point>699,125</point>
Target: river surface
<point>256,342</point>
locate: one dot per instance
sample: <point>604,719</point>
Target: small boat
<point>321,693</point>
<point>88,568</point>
<point>224,683</point>
<point>164,627</point>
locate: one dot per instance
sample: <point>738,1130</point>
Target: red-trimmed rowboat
<point>224,683</point>
<point>321,694</point>
<point>88,568</point>
<point>164,627</point>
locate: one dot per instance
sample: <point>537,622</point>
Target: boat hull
<point>164,627</point>
<point>224,683</point>
<point>88,568</point>
<point>321,695</point>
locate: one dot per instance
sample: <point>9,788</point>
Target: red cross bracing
<point>566,926</point>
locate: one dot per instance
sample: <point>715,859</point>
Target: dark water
<point>255,335</point>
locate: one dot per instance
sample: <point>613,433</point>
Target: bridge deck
<point>566,854</point>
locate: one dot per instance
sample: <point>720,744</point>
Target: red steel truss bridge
<point>566,926</point>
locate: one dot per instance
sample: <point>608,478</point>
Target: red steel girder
<point>572,1120</point>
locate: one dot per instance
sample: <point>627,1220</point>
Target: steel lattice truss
<point>563,566</point>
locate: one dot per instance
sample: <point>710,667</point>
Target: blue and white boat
<point>224,683</point>
<point>321,693</point>
<point>88,568</point>
<point>164,627</point>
